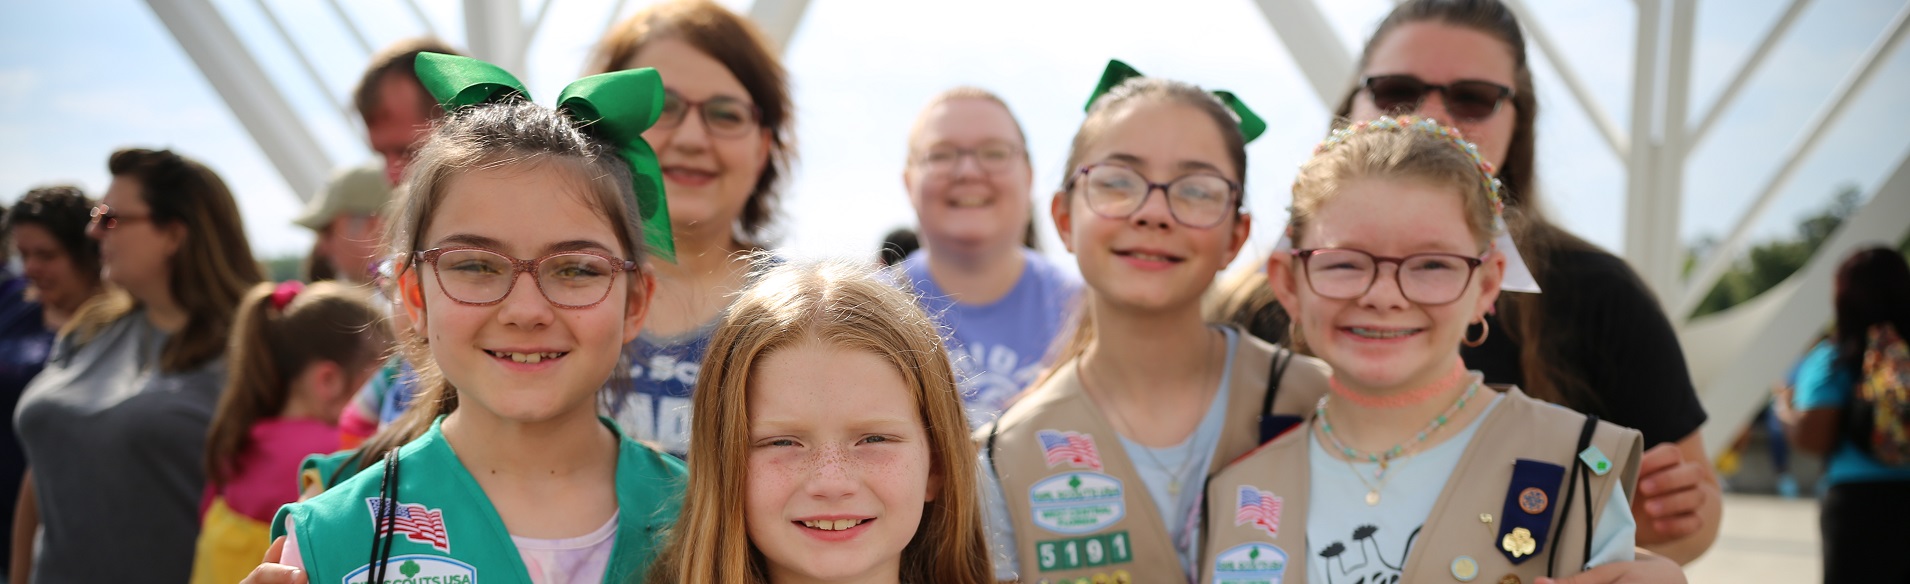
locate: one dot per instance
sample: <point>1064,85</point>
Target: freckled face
<point>835,493</point>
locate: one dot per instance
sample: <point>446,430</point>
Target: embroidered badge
<point>414,521</point>
<point>1251,563</point>
<point>1533,501</point>
<point>420,568</point>
<point>1595,460</point>
<point>1077,502</point>
<point>1074,449</point>
<point>1258,508</point>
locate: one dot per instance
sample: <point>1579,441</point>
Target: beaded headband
<point>1518,277</point>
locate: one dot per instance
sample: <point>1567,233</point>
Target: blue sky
<point>83,77</point>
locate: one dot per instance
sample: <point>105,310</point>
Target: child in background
<point>830,442</point>
<point>297,353</point>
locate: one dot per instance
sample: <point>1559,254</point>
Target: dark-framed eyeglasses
<point>1427,279</point>
<point>105,218</point>
<point>1469,100</point>
<point>1196,200</point>
<point>723,116</point>
<point>477,276</point>
<point>992,157</point>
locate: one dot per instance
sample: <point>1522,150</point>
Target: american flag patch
<point>418,524</point>
<point>1071,448</point>
<point>1258,508</point>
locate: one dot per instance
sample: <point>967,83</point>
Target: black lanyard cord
<point>386,522</point>
<point>1580,475</point>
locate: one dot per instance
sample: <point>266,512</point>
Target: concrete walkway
<point>1764,539</point>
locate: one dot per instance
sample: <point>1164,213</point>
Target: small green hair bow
<point>616,107</point>
<point>1251,126</point>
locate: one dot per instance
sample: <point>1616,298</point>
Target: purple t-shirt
<point>998,349</point>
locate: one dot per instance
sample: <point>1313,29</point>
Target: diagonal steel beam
<point>261,108</point>
<point>778,20</point>
<point>1322,57</point>
<point>1621,148</point>
<point>1744,71</point>
<point>1721,257</point>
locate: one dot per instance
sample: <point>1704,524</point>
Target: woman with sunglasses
<point>724,142</point>
<point>115,427</point>
<point>1595,340</point>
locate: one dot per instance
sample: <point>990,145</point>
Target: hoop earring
<point>1484,330</point>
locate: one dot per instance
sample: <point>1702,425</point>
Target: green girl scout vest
<point>1513,471</point>
<point>447,532</point>
<point>1079,509</point>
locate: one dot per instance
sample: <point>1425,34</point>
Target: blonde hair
<point>507,134</point>
<point>1402,154</point>
<point>845,305</point>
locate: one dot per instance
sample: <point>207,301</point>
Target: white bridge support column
<point>1737,355</point>
<point>250,94</point>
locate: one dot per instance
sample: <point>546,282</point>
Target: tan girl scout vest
<point>1514,469</point>
<point>1079,509</point>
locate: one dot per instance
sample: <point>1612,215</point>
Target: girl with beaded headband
<point>1094,474</point>
<point>1393,224</point>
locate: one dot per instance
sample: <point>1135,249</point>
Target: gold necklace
<point>1173,476</point>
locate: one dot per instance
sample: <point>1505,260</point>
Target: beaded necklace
<point>1385,458</point>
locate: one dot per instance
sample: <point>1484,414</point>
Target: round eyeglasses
<point>723,116</point>
<point>1428,279</point>
<point>1196,200</point>
<point>992,158</point>
<point>480,277</point>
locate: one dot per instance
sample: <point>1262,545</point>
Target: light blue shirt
<point>1373,540</point>
<point>999,348</point>
<point>1821,384</point>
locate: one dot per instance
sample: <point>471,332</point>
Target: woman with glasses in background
<point>1596,339</point>
<point>115,427</point>
<point>1001,303</point>
<point>724,141</point>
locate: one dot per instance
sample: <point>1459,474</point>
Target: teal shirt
<point>447,530</point>
<point>1821,384</point>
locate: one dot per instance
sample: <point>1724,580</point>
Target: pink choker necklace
<point>1413,397</point>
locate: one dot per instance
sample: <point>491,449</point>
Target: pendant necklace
<point>1174,476</point>
<point>1386,457</point>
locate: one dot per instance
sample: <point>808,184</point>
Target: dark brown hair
<point>271,346</point>
<point>62,211</point>
<point>209,273</point>
<point>1548,373</point>
<point>396,59</point>
<point>736,43</point>
<point>1873,287</point>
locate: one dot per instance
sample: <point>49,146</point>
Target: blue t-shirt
<point>663,374</point>
<point>1821,384</point>
<point>998,349</point>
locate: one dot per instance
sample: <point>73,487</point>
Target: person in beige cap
<point>345,217</point>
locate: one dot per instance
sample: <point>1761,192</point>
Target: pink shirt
<point>267,476</point>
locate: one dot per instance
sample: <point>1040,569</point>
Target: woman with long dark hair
<point>1872,298</point>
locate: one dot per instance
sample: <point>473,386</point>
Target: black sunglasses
<point>1468,100</point>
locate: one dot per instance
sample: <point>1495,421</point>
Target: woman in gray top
<point>114,428</point>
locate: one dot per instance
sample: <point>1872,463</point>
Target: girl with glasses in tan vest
<point>1411,469</point>
<point>1094,475</point>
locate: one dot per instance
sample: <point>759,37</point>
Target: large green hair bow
<point>1251,126</point>
<point>616,107</point>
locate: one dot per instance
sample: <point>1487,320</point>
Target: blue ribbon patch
<point>1522,534</point>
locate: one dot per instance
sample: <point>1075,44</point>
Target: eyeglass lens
<point>1195,200</point>
<point>1466,100</point>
